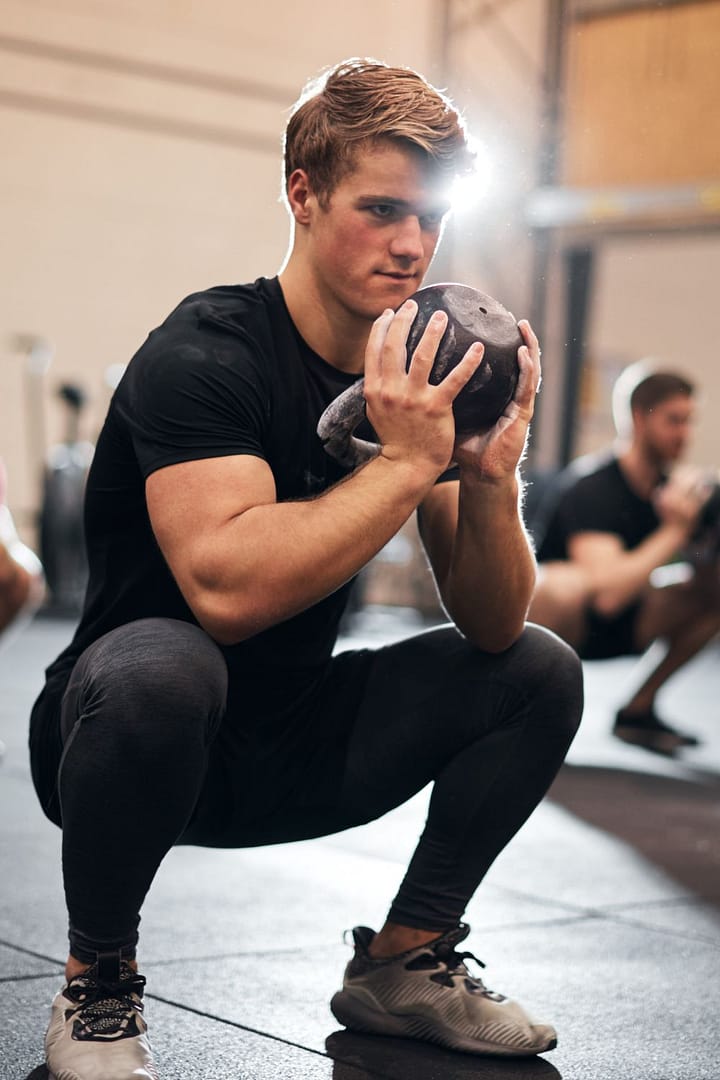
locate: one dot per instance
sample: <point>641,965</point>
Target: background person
<point>21,575</point>
<point>200,700</point>
<point>608,539</point>
<point>22,584</point>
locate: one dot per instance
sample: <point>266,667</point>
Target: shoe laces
<point>105,1008</point>
<point>451,961</point>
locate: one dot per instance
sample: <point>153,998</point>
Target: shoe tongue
<point>107,967</point>
<point>362,936</point>
<point>451,938</point>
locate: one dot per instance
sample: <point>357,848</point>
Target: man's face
<point>664,432</point>
<point>370,246</point>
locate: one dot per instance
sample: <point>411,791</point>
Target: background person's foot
<point>646,729</point>
<point>428,993</point>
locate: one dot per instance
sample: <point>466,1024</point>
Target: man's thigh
<point>560,600</point>
<point>432,696</point>
<point>666,609</point>
<point>384,726</point>
<point>378,724</point>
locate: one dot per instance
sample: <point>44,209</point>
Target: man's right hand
<point>413,418</point>
<point>680,501</point>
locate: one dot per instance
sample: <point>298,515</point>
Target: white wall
<point>655,296</point>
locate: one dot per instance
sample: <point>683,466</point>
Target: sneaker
<point>646,729</point>
<point>97,1030</point>
<point>428,993</point>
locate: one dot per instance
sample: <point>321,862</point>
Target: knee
<point>552,672</point>
<point>153,672</point>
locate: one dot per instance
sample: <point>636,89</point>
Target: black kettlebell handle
<point>337,424</point>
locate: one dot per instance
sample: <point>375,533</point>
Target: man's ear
<point>300,197</point>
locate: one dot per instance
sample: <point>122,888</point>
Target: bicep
<point>191,506</point>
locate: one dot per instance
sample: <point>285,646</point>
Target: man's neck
<point>642,473</point>
<point>334,334</point>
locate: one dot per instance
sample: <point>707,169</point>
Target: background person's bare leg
<point>681,619</point>
<point>560,601</point>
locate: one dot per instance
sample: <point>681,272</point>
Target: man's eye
<point>382,210</point>
<point>432,220</point>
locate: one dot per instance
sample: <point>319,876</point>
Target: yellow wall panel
<point>642,97</point>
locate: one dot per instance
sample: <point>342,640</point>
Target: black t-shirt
<point>592,495</point>
<point>226,373</point>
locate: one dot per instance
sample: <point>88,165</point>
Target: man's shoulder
<point>590,472</point>
<point>599,463</point>
<point>236,309</point>
<point>218,325</point>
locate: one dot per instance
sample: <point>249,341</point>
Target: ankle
<point>75,967</point>
<point>638,707</point>
<point>394,939</point>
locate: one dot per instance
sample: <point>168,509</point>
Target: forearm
<point>491,574</point>
<point>617,585</point>
<point>275,560</point>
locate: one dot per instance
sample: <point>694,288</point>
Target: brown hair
<point>361,101</point>
<point>657,388</point>
<point>642,386</point>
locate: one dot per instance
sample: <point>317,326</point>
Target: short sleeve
<point>582,509</point>
<point>200,396</point>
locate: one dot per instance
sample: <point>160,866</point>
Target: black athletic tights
<point>142,726</point>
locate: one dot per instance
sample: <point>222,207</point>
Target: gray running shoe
<point>428,993</point>
<point>97,1030</point>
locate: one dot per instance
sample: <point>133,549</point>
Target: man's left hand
<point>495,454</point>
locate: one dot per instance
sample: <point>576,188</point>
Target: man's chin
<point>397,290</point>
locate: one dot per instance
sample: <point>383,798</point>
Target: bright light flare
<point>469,192</point>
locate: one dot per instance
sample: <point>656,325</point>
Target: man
<point>609,539</point>
<point>201,688</point>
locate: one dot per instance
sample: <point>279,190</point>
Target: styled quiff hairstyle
<point>361,101</point>
<point>642,386</point>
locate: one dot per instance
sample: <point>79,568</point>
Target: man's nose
<point>407,239</point>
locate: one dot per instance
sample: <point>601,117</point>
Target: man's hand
<point>413,418</point>
<point>680,501</point>
<point>496,454</point>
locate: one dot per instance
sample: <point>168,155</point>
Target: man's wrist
<point>417,473</point>
<point>678,531</point>
<point>507,483</point>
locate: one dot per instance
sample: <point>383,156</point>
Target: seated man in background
<point>21,576</point>
<point>628,551</point>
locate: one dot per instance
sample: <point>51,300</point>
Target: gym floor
<point>602,916</point>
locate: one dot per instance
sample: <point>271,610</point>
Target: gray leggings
<point>145,763</point>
